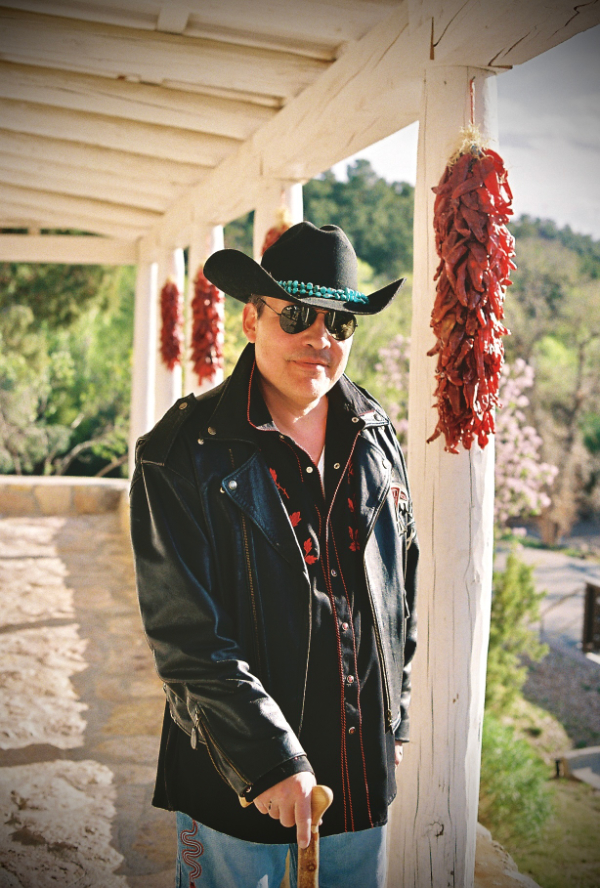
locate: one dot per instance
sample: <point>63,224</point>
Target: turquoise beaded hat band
<point>297,288</point>
<point>302,254</point>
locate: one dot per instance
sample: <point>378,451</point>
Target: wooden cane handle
<point>308,858</point>
<point>320,800</point>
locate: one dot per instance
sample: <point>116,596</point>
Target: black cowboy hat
<point>310,265</point>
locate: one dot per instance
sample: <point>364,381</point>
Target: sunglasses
<point>297,318</point>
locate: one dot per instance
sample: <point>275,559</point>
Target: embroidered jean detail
<point>192,849</point>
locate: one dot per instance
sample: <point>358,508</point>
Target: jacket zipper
<point>384,671</point>
<point>251,586</point>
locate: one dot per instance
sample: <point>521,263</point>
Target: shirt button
<point>336,465</point>
<point>351,730</point>
<point>333,572</point>
<point>384,463</point>
<point>344,627</point>
<point>350,679</point>
<point>309,469</point>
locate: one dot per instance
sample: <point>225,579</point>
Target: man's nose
<point>317,332</point>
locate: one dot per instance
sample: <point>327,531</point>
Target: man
<point>276,559</point>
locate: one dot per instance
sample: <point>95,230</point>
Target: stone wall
<point>22,495</point>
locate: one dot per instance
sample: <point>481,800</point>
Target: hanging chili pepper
<point>471,211</point>
<point>172,323</point>
<point>207,328</point>
<point>273,234</point>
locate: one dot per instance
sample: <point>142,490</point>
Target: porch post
<point>168,382</point>
<point>206,240</point>
<point>434,819</point>
<point>144,354</point>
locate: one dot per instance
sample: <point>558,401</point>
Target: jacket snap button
<point>183,406</point>
<point>309,469</point>
<point>355,419</point>
<point>351,730</point>
<point>232,485</point>
<point>336,465</point>
<point>211,431</point>
<point>350,679</point>
<point>344,627</point>
<point>200,440</point>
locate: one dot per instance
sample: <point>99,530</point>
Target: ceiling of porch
<point>133,118</point>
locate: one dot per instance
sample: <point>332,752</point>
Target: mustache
<point>311,357</point>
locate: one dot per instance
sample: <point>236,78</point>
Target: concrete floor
<point>80,711</point>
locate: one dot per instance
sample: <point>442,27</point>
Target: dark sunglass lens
<point>340,325</point>
<point>290,319</point>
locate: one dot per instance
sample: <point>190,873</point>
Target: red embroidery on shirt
<point>354,544</point>
<point>351,504</point>
<point>277,484</point>
<point>310,559</point>
<point>295,518</point>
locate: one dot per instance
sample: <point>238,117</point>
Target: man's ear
<point>249,321</point>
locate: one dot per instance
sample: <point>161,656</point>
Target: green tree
<point>65,375</point>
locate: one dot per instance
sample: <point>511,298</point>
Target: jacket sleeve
<point>411,560</point>
<point>192,635</point>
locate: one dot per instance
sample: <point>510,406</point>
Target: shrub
<point>515,605</point>
<point>515,799</point>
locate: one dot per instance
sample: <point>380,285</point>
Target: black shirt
<point>343,727</point>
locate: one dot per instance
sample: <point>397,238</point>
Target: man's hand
<point>289,802</point>
<point>398,753</point>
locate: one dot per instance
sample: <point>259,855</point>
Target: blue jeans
<point>210,859</point>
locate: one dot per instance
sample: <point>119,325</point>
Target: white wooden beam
<point>64,179</point>
<point>67,249</point>
<point>373,90</point>
<point>139,102</point>
<point>145,325</point>
<point>168,384</point>
<point>108,132</point>
<point>136,168</point>
<point>173,17</point>
<point>16,215</point>
<point>103,211</point>
<point>312,28</point>
<point>54,42</point>
<point>434,820</point>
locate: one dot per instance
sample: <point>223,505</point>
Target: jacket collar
<point>229,419</point>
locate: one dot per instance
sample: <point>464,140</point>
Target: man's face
<point>300,367</point>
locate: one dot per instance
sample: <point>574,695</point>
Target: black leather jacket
<point>223,587</point>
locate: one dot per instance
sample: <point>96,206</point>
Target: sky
<point>549,127</point>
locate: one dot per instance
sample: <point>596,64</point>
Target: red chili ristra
<point>273,234</point>
<point>207,328</point>
<point>172,322</point>
<point>472,208</point>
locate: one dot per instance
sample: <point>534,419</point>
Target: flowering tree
<point>521,477</point>
<point>394,361</point>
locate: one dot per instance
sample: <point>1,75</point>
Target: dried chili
<point>171,335</point>
<point>207,328</point>
<point>274,233</point>
<point>472,208</point>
